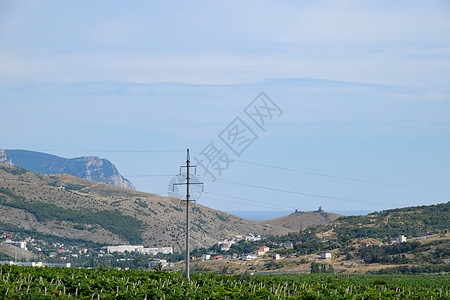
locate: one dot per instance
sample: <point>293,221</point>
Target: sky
<point>354,115</point>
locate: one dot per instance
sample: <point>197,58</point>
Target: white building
<point>325,255</point>
<point>123,248</point>
<point>259,252</point>
<point>251,237</point>
<point>166,250</point>
<point>206,257</point>
<point>276,256</point>
<point>139,249</point>
<point>152,251</point>
<point>264,248</point>
<point>22,245</point>
<point>400,239</point>
<point>250,256</point>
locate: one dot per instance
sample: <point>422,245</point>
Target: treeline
<point>321,268</point>
<point>398,254</point>
<point>409,221</point>
<point>414,270</point>
<point>388,254</point>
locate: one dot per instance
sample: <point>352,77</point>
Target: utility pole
<point>188,256</point>
<point>188,199</point>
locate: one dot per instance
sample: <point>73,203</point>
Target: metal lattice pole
<point>188,257</point>
<point>188,199</point>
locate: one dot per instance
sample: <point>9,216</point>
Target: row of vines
<point>50,283</point>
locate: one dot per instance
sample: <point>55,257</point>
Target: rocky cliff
<point>88,167</point>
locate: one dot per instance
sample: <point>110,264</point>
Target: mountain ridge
<point>91,168</point>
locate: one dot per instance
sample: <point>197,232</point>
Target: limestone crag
<point>88,167</point>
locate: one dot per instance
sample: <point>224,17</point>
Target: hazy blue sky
<point>363,87</point>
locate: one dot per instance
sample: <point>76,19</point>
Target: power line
<point>237,202</point>
<point>111,151</point>
<point>271,206</point>
<point>343,177</point>
<point>275,190</point>
<point>249,200</point>
<point>297,192</point>
<point>255,164</point>
<point>149,175</point>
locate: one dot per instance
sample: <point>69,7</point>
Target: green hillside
<point>408,221</point>
<point>358,242</point>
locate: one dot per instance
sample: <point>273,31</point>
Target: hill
<point>67,207</point>
<point>409,221</point>
<point>358,244</point>
<point>88,167</point>
<point>300,220</point>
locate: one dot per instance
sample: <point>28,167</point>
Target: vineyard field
<point>55,283</point>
